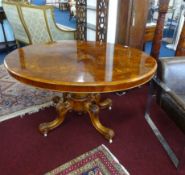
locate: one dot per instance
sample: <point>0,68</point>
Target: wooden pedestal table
<point>82,71</point>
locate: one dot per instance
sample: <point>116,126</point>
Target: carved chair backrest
<point>56,32</point>
<point>14,17</point>
<point>36,23</point>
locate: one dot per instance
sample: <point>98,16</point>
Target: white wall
<point>91,2</point>
<point>91,19</point>
<point>112,21</point>
<point>91,35</point>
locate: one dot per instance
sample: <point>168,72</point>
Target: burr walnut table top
<point>79,66</point>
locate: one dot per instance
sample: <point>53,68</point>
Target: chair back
<point>14,17</point>
<point>171,71</point>
<point>36,23</point>
<point>56,32</point>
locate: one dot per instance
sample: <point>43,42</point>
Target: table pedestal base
<point>80,102</point>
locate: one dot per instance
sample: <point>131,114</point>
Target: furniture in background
<point>132,18</point>
<point>172,20</point>
<point>156,44</point>
<point>179,21</point>
<point>2,18</point>
<point>169,85</point>
<point>12,11</point>
<point>81,20</point>
<point>102,10</point>
<point>180,51</point>
<point>149,32</point>
<point>171,94</point>
<point>82,70</point>
<point>39,21</point>
<point>63,4</point>
<point>92,20</point>
<point>35,24</point>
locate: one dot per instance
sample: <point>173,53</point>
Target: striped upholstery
<point>56,32</point>
<point>40,23</point>
<point>12,12</point>
<point>36,24</point>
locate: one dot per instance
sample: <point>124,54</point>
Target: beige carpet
<point>17,99</point>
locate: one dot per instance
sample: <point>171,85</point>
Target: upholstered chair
<point>58,33</point>
<point>39,21</point>
<point>171,91</point>
<point>14,17</point>
<point>35,21</point>
<point>168,86</point>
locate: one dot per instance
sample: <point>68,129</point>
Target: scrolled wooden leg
<point>62,109</point>
<point>93,111</point>
<point>107,103</point>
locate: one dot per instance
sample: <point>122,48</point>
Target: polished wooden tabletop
<point>78,66</point>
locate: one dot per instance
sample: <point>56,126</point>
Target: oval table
<point>82,71</point>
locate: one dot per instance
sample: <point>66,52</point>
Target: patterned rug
<point>99,161</point>
<point>17,99</point>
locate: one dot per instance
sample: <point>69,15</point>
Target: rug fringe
<point>115,159</point>
<point>29,110</point>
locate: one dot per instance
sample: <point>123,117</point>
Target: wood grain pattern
<point>149,33</point>
<point>123,17</point>
<point>79,66</point>
<point>156,45</point>
<point>131,22</point>
<point>138,23</point>
<point>180,51</point>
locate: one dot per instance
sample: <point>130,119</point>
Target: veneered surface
<point>78,66</point>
